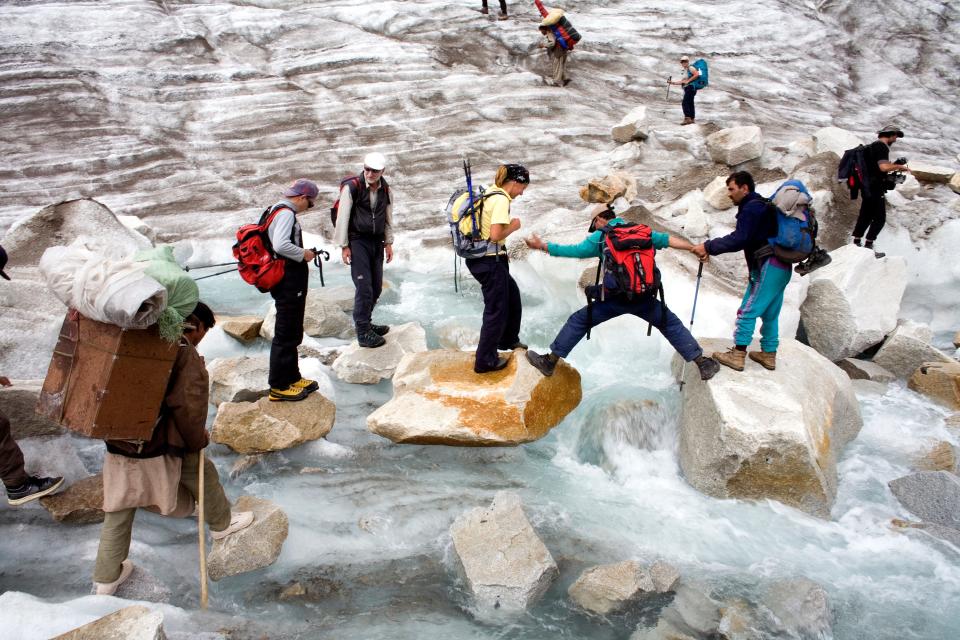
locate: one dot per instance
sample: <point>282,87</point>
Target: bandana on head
<point>518,173</point>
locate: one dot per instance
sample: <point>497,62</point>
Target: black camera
<point>892,179</point>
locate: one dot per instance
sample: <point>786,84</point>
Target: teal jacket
<point>592,245</point>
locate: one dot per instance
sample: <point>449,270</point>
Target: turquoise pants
<point>763,299</point>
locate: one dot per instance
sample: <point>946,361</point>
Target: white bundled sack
<point>115,292</point>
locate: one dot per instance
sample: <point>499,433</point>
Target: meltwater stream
<point>369,519</point>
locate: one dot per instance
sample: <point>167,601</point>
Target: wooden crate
<point>107,382</point>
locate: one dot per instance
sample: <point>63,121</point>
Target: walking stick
<point>669,78</point>
<point>693,313</point>
<point>203,541</point>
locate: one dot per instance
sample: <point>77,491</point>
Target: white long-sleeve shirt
<point>280,230</point>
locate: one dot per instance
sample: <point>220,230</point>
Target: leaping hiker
<point>162,474</point>
<point>365,234</point>
<point>628,281</point>
<point>694,78</point>
<point>485,228</point>
<point>768,276</point>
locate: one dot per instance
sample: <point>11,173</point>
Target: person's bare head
<point>200,320</point>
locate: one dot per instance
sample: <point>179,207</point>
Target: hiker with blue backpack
<point>628,282</point>
<point>772,235</point>
<point>695,78</point>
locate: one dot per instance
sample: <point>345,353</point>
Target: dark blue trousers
<point>502,309</point>
<point>290,298</point>
<point>689,93</point>
<point>647,308</point>
<point>366,269</point>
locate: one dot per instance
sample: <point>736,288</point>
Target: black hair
<point>204,314</point>
<point>742,178</point>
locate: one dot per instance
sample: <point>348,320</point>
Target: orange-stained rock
<point>438,399</point>
<point>939,381</point>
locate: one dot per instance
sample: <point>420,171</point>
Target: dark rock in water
<point>934,496</point>
<point>692,615</point>
<point>80,503</point>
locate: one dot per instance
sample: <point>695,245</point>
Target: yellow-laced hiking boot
<point>306,384</point>
<point>290,394</point>
<point>732,357</point>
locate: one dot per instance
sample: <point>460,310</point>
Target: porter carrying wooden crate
<point>107,382</point>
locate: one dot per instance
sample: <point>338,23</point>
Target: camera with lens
<point>892,179</point>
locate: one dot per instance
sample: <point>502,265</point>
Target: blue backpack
<point>796,224</point>
<point>704,79</point>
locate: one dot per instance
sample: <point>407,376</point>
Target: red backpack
<point>257,263</point>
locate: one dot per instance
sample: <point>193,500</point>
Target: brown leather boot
<point>767,359</point>
<point>732,357</point>
<point>687,121</point>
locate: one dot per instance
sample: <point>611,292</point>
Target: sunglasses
<point>369,170</point>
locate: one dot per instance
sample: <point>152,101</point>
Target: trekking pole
<point>316,260</point>
<point>213,275</point>
<point>207,266</point>
<point>203,541</point>
<point>693,313</point>
<point>669,78</point>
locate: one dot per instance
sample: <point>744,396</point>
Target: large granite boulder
<point>735,145</point>
<point>907,348</point>
<point>505,565</point>
<point>438,399</point>
<point>941,456</point>
<point>342,296</point>
<point>252,548</point>
<point>130,623</point>
<point>633,126</point>
<point>955,182</point>
<point>239,379</point>
<point>19,403</point>
<point>925,172</point>
<point>612,587</point>
<point>865,370</point>
<point>321,319</point>
<point>243,328</point>
<point>60,224</point>
<point>760,434</point>
<point>261,426</point>
<point>834,139</point>
<point>360,365</point>
<point>853,302</point>
<point>716,194</point>
<point>933,496</point>
<point>80,503</point>
<point>938,380</point>
<point>143,585</point>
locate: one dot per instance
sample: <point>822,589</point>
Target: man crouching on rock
<point>612,302</point>
<point>162,474</point>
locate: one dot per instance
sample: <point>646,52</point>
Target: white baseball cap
<point>374,161</point>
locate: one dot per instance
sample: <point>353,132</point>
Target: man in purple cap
<point>20,487</point>
<point>290,294</point>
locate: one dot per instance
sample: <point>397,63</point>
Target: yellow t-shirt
<point>496,210</point>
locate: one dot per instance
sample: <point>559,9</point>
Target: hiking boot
<point>35,487</point>
<point>306,384</point>
<point>290,394</point>
<point>501,364</point>
<point>819,258</point>
<point>708,367</point>
<point>238,520</point>
<point>380,329</point>
<point>484,11</point>
<point>515,345</point>
<point>545,363</point>
<point>732,357</point>
<point>502,16</point>
<point>857,242</point>
<point>686,121</point>
<point>370,339</point>
<point>767,359</point>
<point>110,588</point>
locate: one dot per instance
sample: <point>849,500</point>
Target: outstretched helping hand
<point>534,242</point>
<point>700,251</point>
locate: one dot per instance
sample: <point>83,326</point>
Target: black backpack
<point>855,172</point>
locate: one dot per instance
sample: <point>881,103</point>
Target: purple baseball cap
<point>302,187</point>
<point>3,262</point>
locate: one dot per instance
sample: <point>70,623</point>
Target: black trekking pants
<point>501,308</point>
<point>366,269</point>
<point>290,298</point>
<point>503,6</point>
<point>873,215</point>
<point>689,110</point>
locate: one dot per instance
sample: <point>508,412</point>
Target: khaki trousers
<point>118,525</point>
<point>558,55</point>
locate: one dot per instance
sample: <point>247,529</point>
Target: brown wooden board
<point>107,382</point>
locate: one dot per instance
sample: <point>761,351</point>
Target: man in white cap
<point>689,89</point>
<point>365,234</point>
<point>290,294</point>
